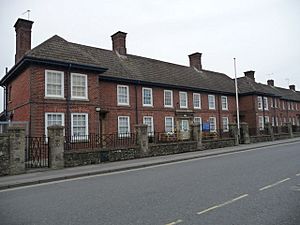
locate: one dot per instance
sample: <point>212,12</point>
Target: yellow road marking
<point>223,204</point>
<point>272,185</point>
<point>176,222</point>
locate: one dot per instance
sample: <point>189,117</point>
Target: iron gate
<point>36,152</point>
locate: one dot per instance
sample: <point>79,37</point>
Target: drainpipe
<point>68,116</point>
<point>219,114</point>
<point>136,106</point>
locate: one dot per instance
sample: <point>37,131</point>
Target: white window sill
<point>80,99</point>
<point>55,98</point>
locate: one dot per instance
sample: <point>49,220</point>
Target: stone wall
<point>261,138</point>
<point>172,148</point>
<point>210,144</point>
<point>4,154</point>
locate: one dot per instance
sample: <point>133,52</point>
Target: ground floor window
<point>169,124</point>
<point>184,125</point>
<point>212,124</point>
<point>198,120</point>
<point>123,126</point>
<point>54,119</point>
<point>225,124</point>
<point>79,125</point>
<point>148,120</point>
<point>261,122</point>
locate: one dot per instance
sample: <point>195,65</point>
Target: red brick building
<point>93,90</point>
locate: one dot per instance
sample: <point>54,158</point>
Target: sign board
<point>205,127</point>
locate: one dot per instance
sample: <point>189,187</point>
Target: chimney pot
<point>250,74</point>
<point>271,82</point>
<point>23,37</point>
<point>292,87</point>
<point>195,60</point>
<point>119,42</point>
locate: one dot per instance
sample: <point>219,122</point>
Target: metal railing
<point>36,152</point>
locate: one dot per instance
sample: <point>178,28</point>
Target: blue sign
<point>205,127</point>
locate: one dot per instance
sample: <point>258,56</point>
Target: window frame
<point>86,125</point>
<point>186,100</point>
<point>172,119</point>
<point>227,124</point>
<point>266,105</point>
<point>226,98</point>
<point>215,124</point>
<point>214,101</point>
<point>200,119</point>
<point>62,84</point>
<point>199,96</point>
<point>127,93</point>
<point>86,87</point>
<point>261,124</point>
<point>128,123</point>
<point>260,102</point>
<point>143,96</point>
<point>151,132</point>
<point>53,113</point>
<point>168,106</point>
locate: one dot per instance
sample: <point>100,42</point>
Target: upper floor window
<point>9,92</point>
<point>259,102</point>
<point>296,105</point>
<point>292,105</point>
<point>79,86</point>
<point>224,103</point>
<point>54,84</point>
<point>272,103</point>
<point>123,94</point>
<point>266,106</point>
<point>197,101</point>
<point>288,105</point>
<point>275,103</point>
<point>183,100</point>
<point>283,105</point>
<point>211,102</point>
<point>168,98</point>
<point>147,97</point>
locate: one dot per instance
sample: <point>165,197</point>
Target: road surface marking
<point>143,168</point>
<point>272,185</point>
<point>298,174</point>
<point>176,222</point>
<point>223,204</point>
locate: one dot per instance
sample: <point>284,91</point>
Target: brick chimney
<point>195,60</point>
<point>292,87</point>
<point>250,74</point>
<point>271,82</point>
<point>23,37</point>
<point>119,42</point>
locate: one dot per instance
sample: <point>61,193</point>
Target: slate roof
<point>132,67</point>
<point>248,86</point>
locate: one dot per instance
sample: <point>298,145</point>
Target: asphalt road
<point>261,186</point>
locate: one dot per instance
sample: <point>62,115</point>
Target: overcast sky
<point>263,35</point>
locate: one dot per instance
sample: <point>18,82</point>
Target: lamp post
<point>237,99</point>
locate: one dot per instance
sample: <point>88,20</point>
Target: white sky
<point>264,35</point>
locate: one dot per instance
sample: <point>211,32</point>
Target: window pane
<point>123,95</point>
<point>54,83</point>
<point>147,96</point>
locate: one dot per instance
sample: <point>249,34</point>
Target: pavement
<point>44,176</point>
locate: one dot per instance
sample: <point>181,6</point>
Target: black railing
<point>216,134</point>
<point>36,152</point>
<point>296,128</point>
<point>257,131</point>
<point>95,141</point>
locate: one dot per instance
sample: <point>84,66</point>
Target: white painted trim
<point>86,87</point>
<point>122,103</point>
<point>86,122</point>
<point>53,113</point>
<point>168,106</point>
<point>197,94</point>
<point>186,100</point>
<point>62,84</point>
<point>151,94</point>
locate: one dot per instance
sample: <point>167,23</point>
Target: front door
<point>184,129</point>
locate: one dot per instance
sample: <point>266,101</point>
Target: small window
<point>168,98</point>
<point>225,124</point>
<point>292,105</point>
<point>289,105</point>
<point>123,126</point>
<point>275,103</point>
<point>266,106</point>
<point>198,120</point>
<point>9,92</point>
<point>80,125</point>
<point>259,102</point>
<point>224,103</point>
<point>53,119</point>
<point>147,97</point>
<point>148,120</point>
<point>261,124</point>
<point>212,124</point>
<point>54,84</point>
<point>197,101</point>
<point>267,119</point>
<point>123,94</point>
<point>283,105</point>
<point>79,86</point>
<point>169,124</point>
<point>211,102</point>
<point>183,100</point>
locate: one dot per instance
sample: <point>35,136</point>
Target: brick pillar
<point>290,129</point>
<point>142,139</point>
<point>17,150</point>
<point>270,130</point>
<point>56,147</point>
<point>197,134</point>
<point>233,129</point>
<point>245,137</point>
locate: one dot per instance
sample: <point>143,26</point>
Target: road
<point>260,186</point>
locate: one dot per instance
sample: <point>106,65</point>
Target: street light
<point>237,99</point>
